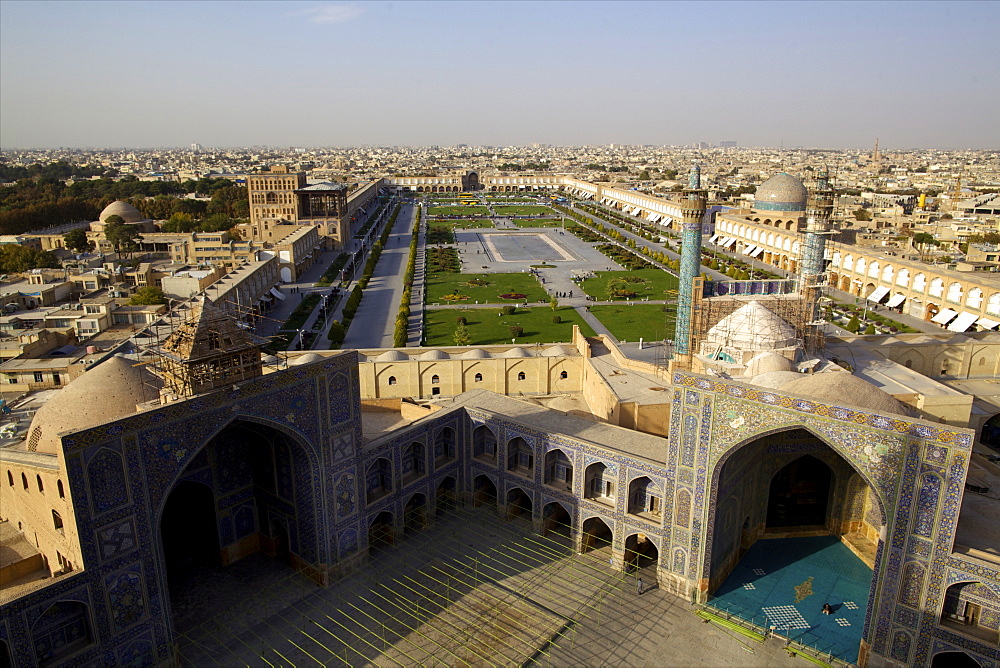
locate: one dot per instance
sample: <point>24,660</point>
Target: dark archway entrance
<point>953,660</point>
<point>556,519</point>
<point>640,552</point>
<point>518,504</point>
<point>445,499</point>
<point>990,434</point>
<point>415,514</point>
<point>799,494</point>
<point>380,533</point>
<point>484,492</point>
<point>596,535</point>
<point>189,531</point>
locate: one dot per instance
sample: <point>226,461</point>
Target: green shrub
<point>507,310</point>
<point>515,331</point>
<point>461,320</point>
<point>556,320</point>
<point>336,334</point>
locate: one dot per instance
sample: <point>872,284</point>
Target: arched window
<point>10,478</point>
<point>61,631</point>
<point>435,379</point>
<point>57,521</point>
<point>919,282</point>
<point>564,375</point>
<point>38,481</point>
<point>59,487</point>
<point>521,376</point>
<point>24,481</point>
<point>479,377</point>
<point>392,380</point>
<point>955,292</point>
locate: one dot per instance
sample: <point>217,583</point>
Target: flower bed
<point>512,295</point>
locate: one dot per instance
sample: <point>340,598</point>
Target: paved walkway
<point>415,330</point>
<point>375,322</point>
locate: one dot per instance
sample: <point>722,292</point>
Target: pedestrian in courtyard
<point>638,587</point>
<point>827,610</point>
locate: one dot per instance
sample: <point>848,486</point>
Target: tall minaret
<point>692,209</point>
<point>817,226</point>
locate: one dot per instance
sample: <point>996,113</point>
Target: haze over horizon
<point>224,74</point>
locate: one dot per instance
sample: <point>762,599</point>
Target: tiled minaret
<point>692,210</point>
<point>817,228</point>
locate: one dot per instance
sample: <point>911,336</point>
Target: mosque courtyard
<point>468,590</point>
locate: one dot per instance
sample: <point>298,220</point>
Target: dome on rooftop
<point>105,392</point>
<point>308,358</point>
<point>767,361</point>
<point>391,356</point>
<point>475,354</point>
<point>753,327</point>
<point>434,355</point>
<point>842,388</point>
<point>781,192</point>
<point>129,213</point>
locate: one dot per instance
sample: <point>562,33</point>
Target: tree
<point>179,223</point>
<point>336,334</point>
<point>77,240</point>
<point>461,336</point>
<point>15,259</point>
<point>869,330</point>
<point>123,238</point>
<point>515,331</point>
<point>853,325</point>
<point>644,175</point>
<point>147,295</point>
<point>862,215</point>
<point>553,303</point>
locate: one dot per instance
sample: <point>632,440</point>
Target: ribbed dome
<point>105,392</point>
<point>129,213</point>
<point>753,327</point>
<point>781,192</point>
<point>840,388</point>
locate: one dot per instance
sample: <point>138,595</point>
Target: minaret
<point>817,228</point>
<point>694,177</point>
<point>692,209</point>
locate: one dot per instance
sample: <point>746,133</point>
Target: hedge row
<point>402,332</point>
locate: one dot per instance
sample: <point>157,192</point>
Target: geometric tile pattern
<point>842,622</point>
<point>850,605</point>
<point>748,585</point>
<point>785,617</point>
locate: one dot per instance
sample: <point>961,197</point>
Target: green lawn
<point>524,210</point>
<point>629,323</point>
<point>538,222</point>
<point>655,283</point>
<point>458,210</point>
<point>441,284</point>
<point>486,327</point>
<point>469,223</point>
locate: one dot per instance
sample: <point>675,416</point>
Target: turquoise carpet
<point>785,582</point>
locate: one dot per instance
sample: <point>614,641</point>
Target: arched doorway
<point>61,631</point>
<point>247,492</point>
<point>556,519</point>
<point>990,434</point>
<point>415,514</point>
<point>596,535</point>
<point>484,492</point>
<point>953,660</point>
<point>966,608</point>
<point>640,552</point>
<point>189,531</point>
<point>380,533</point>
<point>518,504</point>
<point>799,494</point>
<point>445,498</point>
<point>796,526</point>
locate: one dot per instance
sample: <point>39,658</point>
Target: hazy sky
<point>819,74</point>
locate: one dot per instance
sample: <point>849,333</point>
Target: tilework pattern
<point>125,469</point>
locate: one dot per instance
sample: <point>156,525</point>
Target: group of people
<point>562,295</point>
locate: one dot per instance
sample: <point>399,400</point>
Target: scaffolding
<point>473,590</point>
<point>197,347</point>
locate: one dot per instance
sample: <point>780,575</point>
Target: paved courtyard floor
<point>468,590</point>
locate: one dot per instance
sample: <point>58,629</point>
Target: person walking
<point>638,587</point>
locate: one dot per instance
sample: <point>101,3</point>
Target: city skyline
<point>823,75</point>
